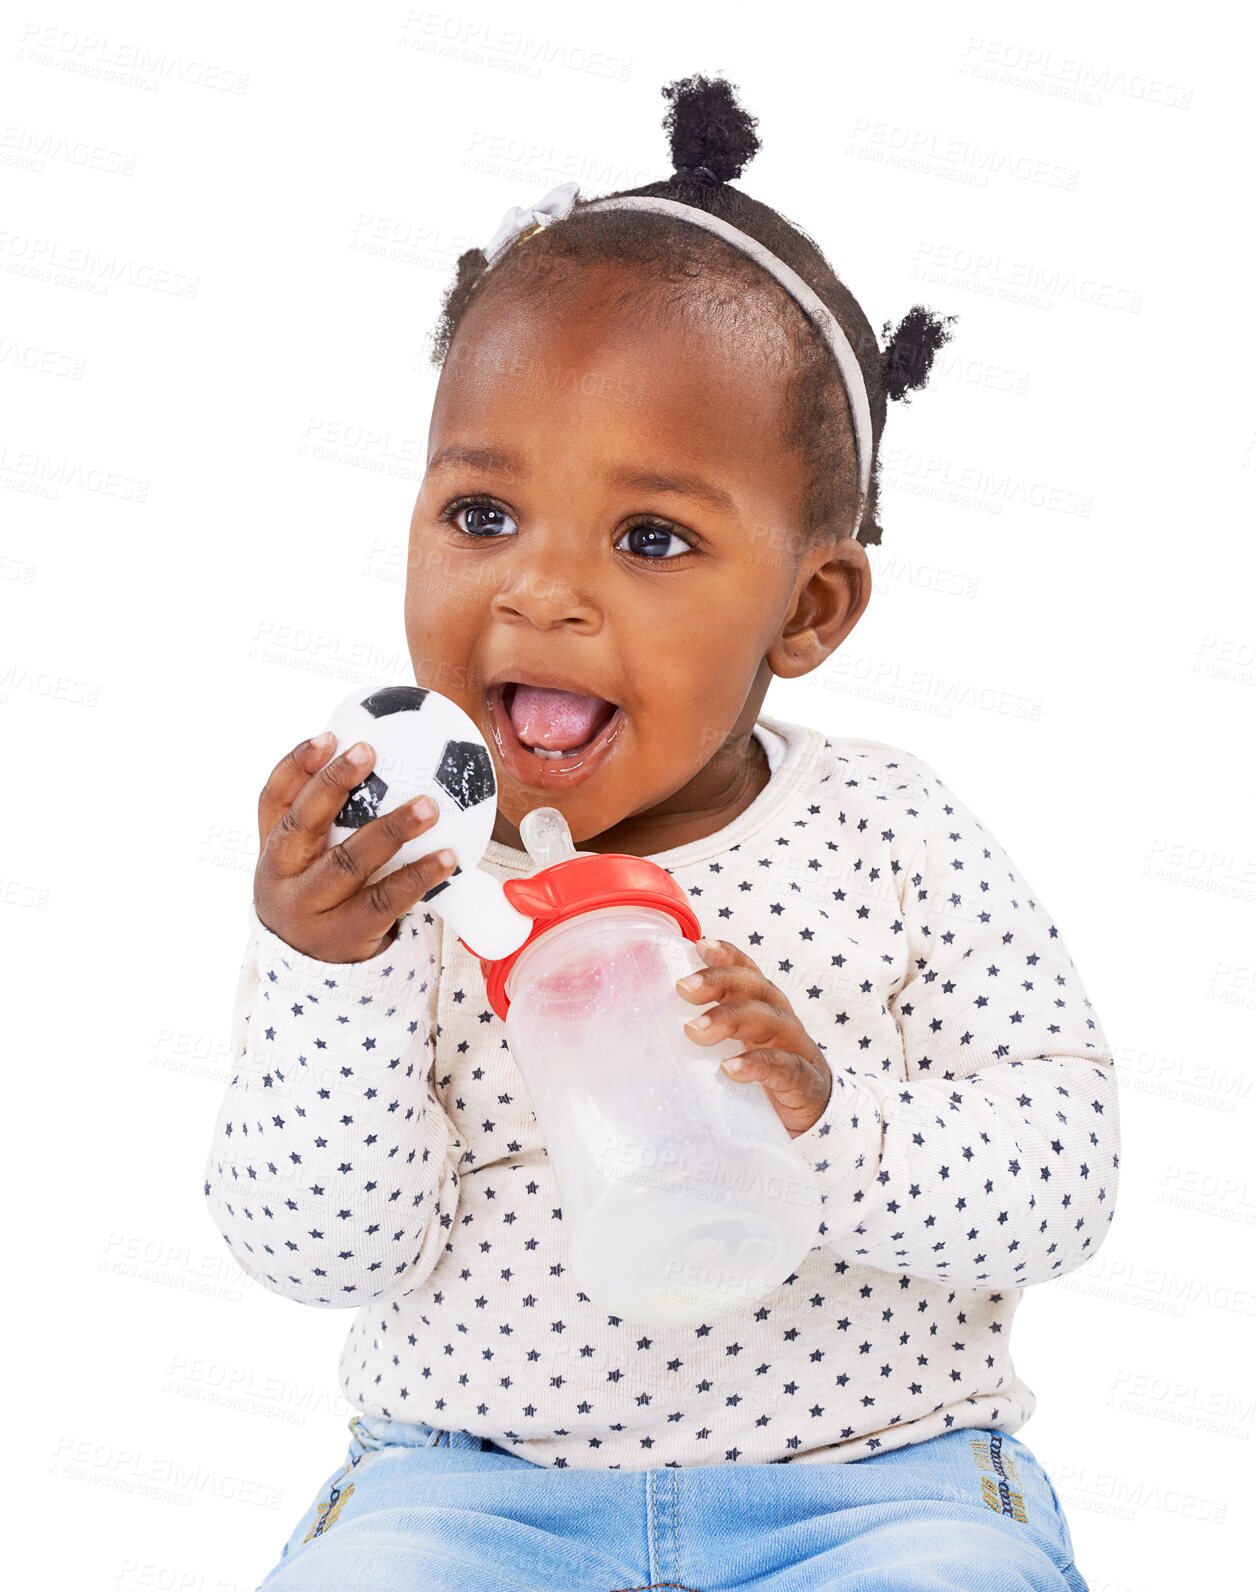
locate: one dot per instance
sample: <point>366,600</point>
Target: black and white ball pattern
<point>424,745</point>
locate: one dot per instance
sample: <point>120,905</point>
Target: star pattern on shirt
<point>376,1151</point>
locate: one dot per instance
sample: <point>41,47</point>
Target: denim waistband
<point>372,1431</point>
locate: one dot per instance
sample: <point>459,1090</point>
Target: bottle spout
<point>545,833</point>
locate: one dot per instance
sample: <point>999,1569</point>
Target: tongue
<point>559,721</point>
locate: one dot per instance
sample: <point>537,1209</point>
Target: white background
<point>224,237</point>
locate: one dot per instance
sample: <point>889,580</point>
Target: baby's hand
<point>784,1058</point>
<point>314,897</point>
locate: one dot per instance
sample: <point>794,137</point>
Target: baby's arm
<point>996,1163</point>
<point>330,1172</point>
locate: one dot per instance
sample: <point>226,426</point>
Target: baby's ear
<point>908,355</point>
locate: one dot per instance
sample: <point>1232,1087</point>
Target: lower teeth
<point>540,751</point>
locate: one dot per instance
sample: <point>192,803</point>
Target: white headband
<point>558,203</point>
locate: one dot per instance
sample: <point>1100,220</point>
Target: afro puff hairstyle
<point>712,139</point>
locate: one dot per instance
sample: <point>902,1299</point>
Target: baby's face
<point>648,593</point>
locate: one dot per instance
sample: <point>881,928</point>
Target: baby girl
<point>650,486</point>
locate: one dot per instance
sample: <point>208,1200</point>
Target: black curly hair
<point>712,138</point>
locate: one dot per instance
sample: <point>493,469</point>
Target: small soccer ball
<point>424,745</point>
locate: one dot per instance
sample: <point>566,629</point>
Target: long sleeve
<point>330,1173</point>
<point>994,1163</point>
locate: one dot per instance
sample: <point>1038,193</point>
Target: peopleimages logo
<point>726,1180</point>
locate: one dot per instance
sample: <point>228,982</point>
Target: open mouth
<point>584,724</point>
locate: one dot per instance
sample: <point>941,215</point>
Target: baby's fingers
<point>799,1088</point>
<point>300,832</point>
<point>752,1022</point>
<point>368,914</point>
<point>287,779</point>
<point>726,984</point>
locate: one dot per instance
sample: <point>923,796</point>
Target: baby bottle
<point>682,1192</point>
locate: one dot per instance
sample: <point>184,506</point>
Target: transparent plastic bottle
<point>682,1193</point>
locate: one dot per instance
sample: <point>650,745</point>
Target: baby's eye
<point>478,507</point>
<point>651,542</point>
<point>650,539</point>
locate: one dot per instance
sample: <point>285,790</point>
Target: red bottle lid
<point>582,884</point>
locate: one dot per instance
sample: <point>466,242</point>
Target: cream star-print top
<point>375,1150</point>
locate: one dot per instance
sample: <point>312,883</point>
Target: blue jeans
<point>413,1507</point>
